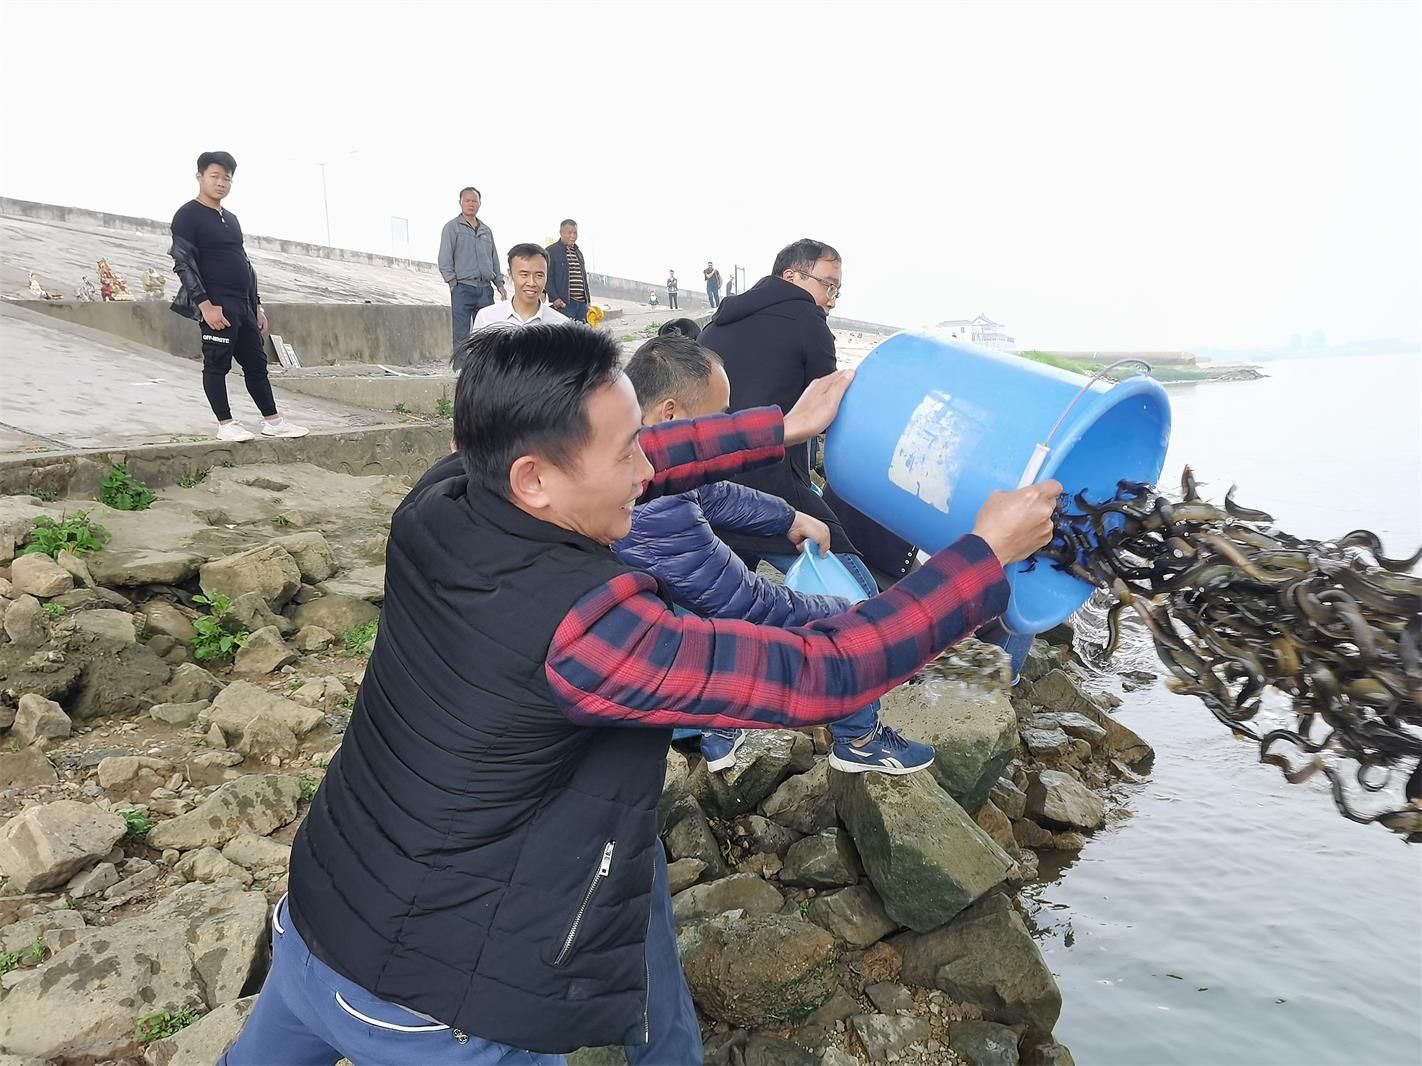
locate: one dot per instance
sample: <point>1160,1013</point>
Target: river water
<point>1224,916</point>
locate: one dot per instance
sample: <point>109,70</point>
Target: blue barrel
<point>931,426</point>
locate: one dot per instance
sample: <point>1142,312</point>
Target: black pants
<point>241,340</point>
<point>671,299</point>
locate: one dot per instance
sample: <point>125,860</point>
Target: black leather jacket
<point>191,290</point>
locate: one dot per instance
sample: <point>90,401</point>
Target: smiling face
<point>595,496</point>
<point>215,182</point>
<point>528,277</point>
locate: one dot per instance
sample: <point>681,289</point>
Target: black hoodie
<point>775,340</point>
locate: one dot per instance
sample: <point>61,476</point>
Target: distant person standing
<point>568,289</point>
<point>469,263</point>
<point>219,290</point>
<point>713,284</point>
<point>731,283</point>
<point>671,290</point>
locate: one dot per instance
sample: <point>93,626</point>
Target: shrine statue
<point>111,286</point>
<point>154,283</point>
<point>87,291</point>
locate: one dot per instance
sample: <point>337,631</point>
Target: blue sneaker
<point>719,747</point>
<point>884,753</point>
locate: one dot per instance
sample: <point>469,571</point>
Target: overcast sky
<point>1100,176</point>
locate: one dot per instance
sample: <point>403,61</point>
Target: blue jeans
<point>465,302</point>
<point>713,296</point>
<point>309,1015</point>
<point>578,312</point>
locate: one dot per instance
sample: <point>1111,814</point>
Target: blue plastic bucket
<point>930,427</point>
<point>815,576</point>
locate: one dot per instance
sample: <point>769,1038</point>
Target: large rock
<point>883,1036</point>
<point>46,845</point>
<point>103,626</point>
<point>1061,801</point>
<point>691,838</point>
<point>973,732</point>
<point>178,713</point>
<point>241,703</point>
<point>38,717</point>
<point>312,554</point>
<point>26,768</point>
<point>855,915</point>
<point>254,852</point>
<point>56,930</point>
<point>673,788</point>
<point>120,682</point>
<point>250,612</point>
<point>190,684</point>
<point>26,623</point>
<point>168,619</point>
<point>195,949</point>
<point>362,583</point>
<point>131,567</point>
<point>209,866</point>
<point>759,834</point>
<point>927,859</point>
<point>825,860</point>
<point>206,1040</point>
<point>1046,743</point>
<point>1073,724</point>
<point>336,614</point>
<point>760,972</point>
<point>985,1043</point>
<point>264,653</point>
<point>985,956</point>
<point>743,892</point>
<point>269,571</point>
<point>250,804</point>
<point>38,575</point>
<point>803,802</point>
<point>996,825</point>
<point>761,763</point>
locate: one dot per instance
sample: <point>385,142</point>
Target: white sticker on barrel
<point>929,452</point>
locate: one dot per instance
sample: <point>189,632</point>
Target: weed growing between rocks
<point>213,640</point>
<point>123,492</point>
<point>139,826</point>
<point>54,610</point>
<point>74,533</point>
<point>192,481</point>
<point>164,1023</point>
<point>310,785</point>
<point>444,407</point>
<point>9,960</point>
<point>357,637</point>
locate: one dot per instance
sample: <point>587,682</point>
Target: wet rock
<point>855,915</point>
<point>47,844</point>
<point>250,612</point>
<point>38,717</point>
<point>684,873</point>
<point>1008,798</point>
<point>825,860</point>
<point>26,768</point>
<point>131,567</point>
<point>1046,743</point>
<point>361,583</point>
<point>691,838</point>
<point>26,622</point>
<point>889,997</point>
<point>254,852</point>
<point>973,732</point>
<point>313,638</point>
<point>927,859</point>
<point>763,835</point>
<point>92,882</point>
<point>194,949</point>
<point>206,1040</point>
<point>313,555</point>
<point>760,972</point>
<point>264,653</point>
<point>882,1036</point>
<point>803,802</point>
<point>1068,841</point>
<point>38,575</point>
<point>1060,801</point>
<point>209,865</point>
<point>1046,1052</point>
<point>250,804</point>
<point>212,767</point>
<point>178,714</point>
<point>1040,661</point>
<point>269,571</point>
<point>124,682</point>
<point>1073,725</point>
<point>102,626</point>
<point>985,956</point>
<point>1029,834</point>
<point>761,763</point>
<point>985,1043</point>
<point>739,892</point>
<point>336,614</point>
<point>241,703</point>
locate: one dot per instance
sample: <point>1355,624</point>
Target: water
<point>1229,917</point>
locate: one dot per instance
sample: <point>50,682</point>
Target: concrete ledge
<point>404,450</point>
<point>418,395</point>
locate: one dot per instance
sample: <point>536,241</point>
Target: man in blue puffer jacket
<point>672,538</point>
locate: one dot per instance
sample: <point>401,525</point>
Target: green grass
<point>401,408</point>
<point>192,481</point>
<point>123,492</point>
<point>1086,368</point>
<point>444,407</point>
<point>9,960</point>
<point>44,496</point>
<point>72,532</point>
<point>139,825</point>
<point>164,1023</point>
<point>281,521</point>
<point>54,610</point>
<point>213,641</point>
<point>357,637</point>
<point>310,785</point>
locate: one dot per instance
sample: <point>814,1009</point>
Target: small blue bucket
<point>815,576</point>
<point>930,427</point>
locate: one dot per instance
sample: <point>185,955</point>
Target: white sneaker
<point>234,431</point>
<point>280,427</point>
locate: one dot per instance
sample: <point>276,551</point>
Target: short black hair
<point>470,188</point>
<point>670,366</point>
<point>222,159</point>
<point>524,392</point>
<point>802,255</point>
<point>567,222</point>
<point>685,327</point>
<point>526,251</point>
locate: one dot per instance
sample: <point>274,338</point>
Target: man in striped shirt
<point>568,289</point>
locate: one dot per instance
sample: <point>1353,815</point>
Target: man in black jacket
<point>569,290</point>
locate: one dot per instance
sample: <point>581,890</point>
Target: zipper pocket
<point>603,869</point>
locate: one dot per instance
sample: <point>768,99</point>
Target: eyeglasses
<point>831,290</point>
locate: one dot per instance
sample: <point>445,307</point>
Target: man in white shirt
<point>528,275</point>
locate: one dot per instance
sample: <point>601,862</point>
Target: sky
<point>1146,176</point>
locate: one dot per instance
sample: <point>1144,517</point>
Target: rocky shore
<point>148,800</point>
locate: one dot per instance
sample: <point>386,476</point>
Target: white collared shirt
<point>502,313</point>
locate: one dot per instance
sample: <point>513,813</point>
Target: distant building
<point>981,330</point>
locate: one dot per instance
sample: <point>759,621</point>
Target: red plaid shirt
<point>621,657</point>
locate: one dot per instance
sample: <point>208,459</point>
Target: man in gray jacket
<point>469,263</point>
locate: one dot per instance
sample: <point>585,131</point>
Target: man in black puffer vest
<point>479,879</point>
